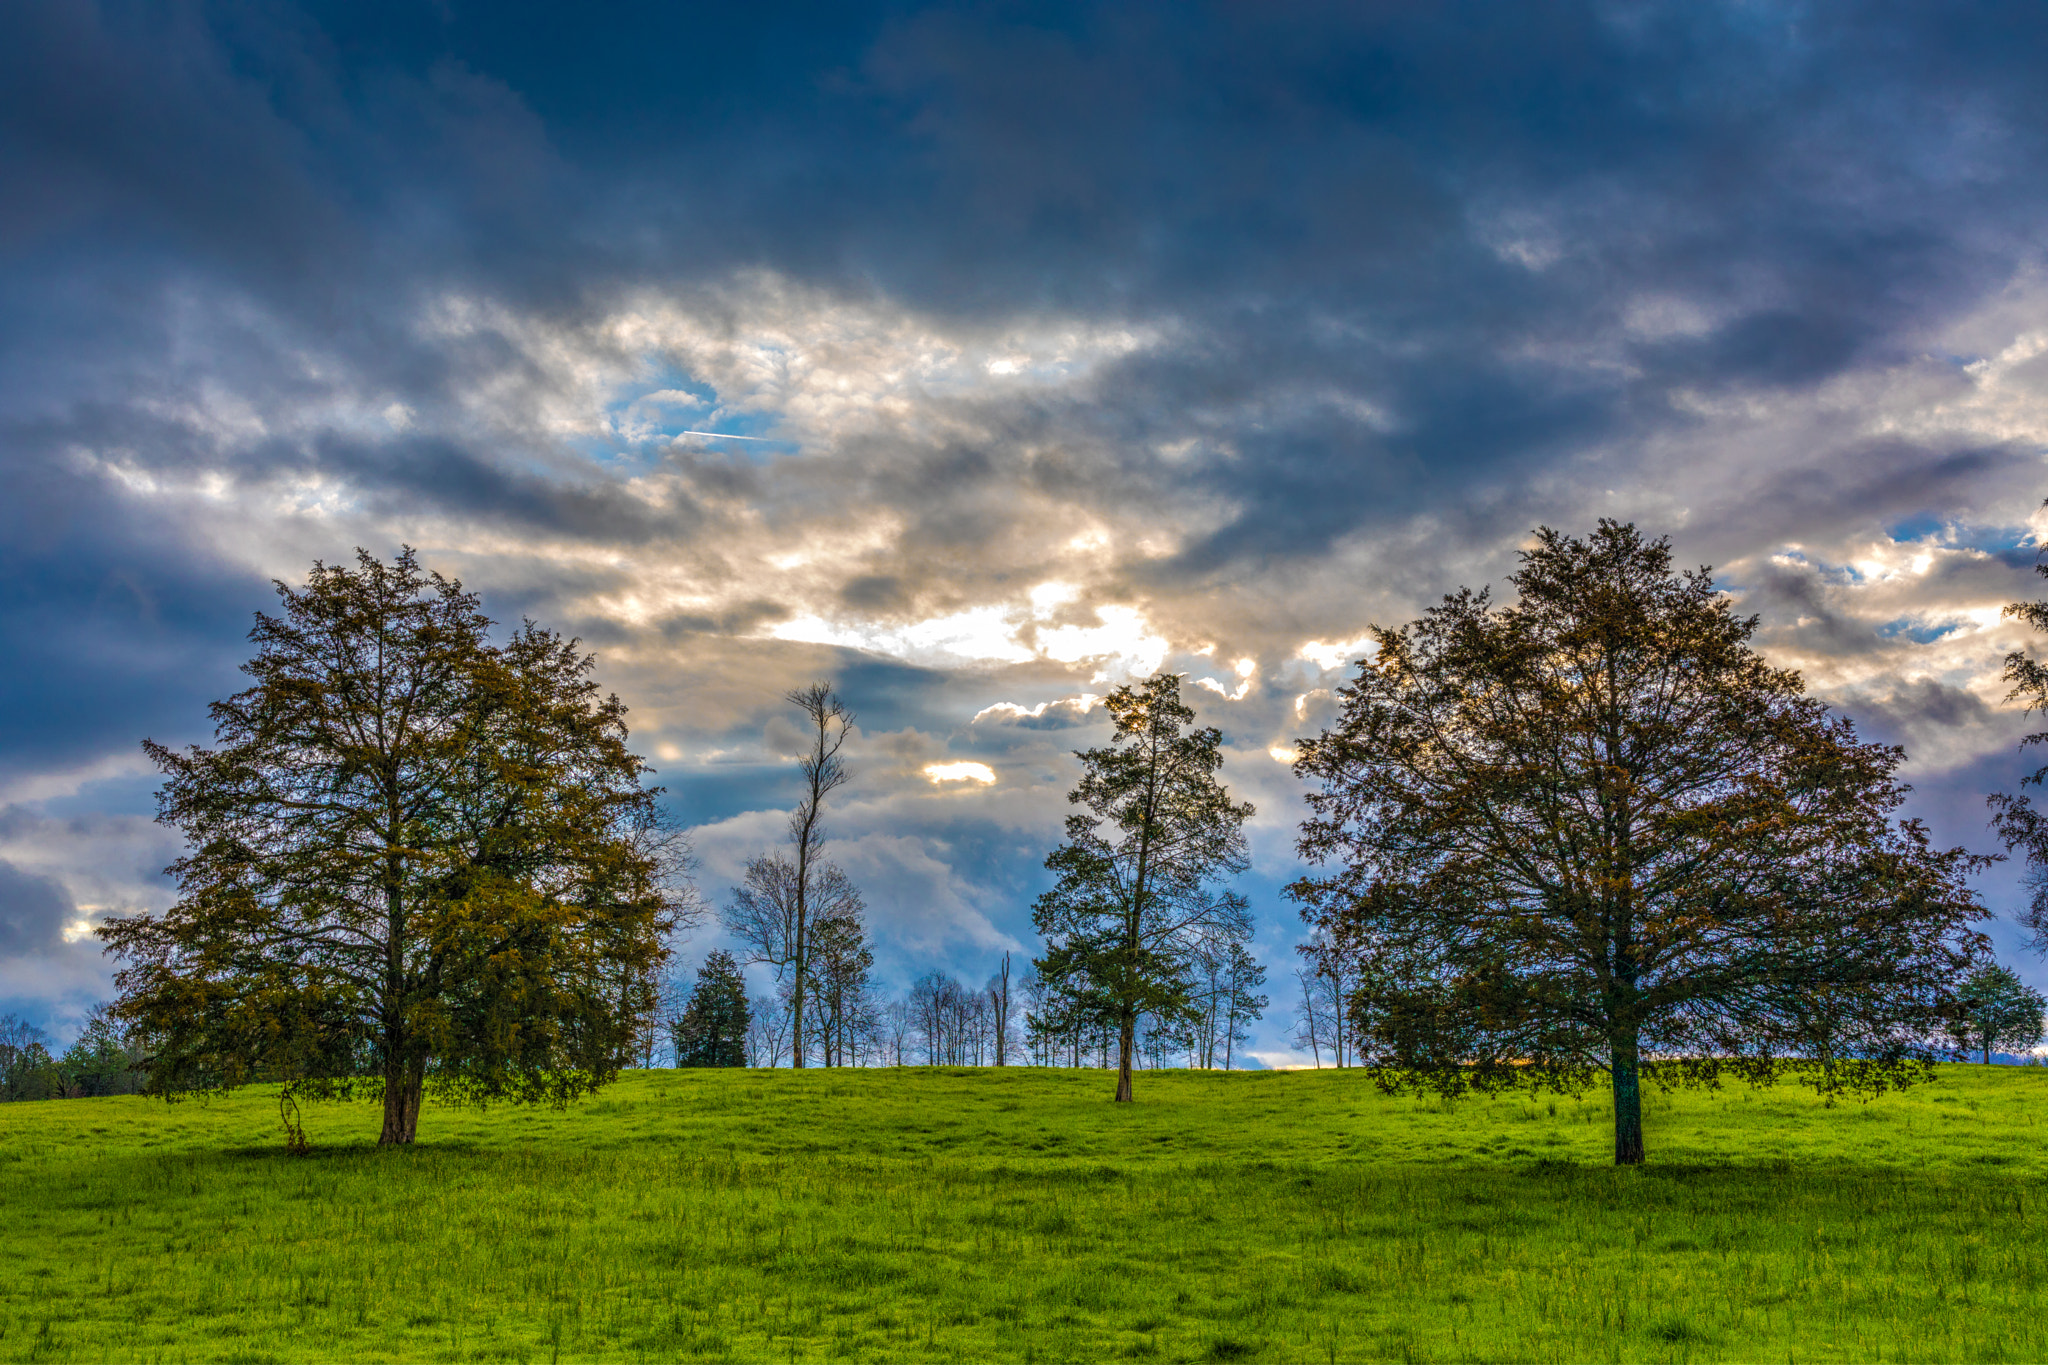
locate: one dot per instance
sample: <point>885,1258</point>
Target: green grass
<point>1017,1215</point>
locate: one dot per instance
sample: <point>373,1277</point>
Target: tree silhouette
<point>1593,829</point>
<point>415,859</point>
<point>1136,875</point>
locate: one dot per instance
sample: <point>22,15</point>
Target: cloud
<point>35,912</point>
<point>1076,344</point>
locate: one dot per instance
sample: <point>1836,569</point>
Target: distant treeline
<point>100,1062</point>
<point>1010,1020</point>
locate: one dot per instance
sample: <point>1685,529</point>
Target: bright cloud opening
<point>1335,653</point>
<point>960,772</point>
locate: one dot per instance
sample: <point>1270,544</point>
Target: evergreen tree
<point>713,1027</point>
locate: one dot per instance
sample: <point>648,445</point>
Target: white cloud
<point>963,771</point>
<point>1329,654</point>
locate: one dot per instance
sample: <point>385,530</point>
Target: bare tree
<point>778,921</point>
<point>1242,1001</point>
<point>899,1023</point>
<point>828,721</point>
<point>1310,1028</point>
<point>951,1021</point>
<point>1000,1011</point>
<point>768,1021</point>
<point>1328,982</point>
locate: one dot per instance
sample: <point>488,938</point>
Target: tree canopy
<point>1594,829</point>
<point>712,1030</point>
<point>2018,821</point>
<point>1136,890</point>
<point>1998,1012</point>
<point>414,857</point>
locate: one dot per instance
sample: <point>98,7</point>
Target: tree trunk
<point>796,1037</point>
<point>402,1086</point>
<point>1628,1101</point>
<point>1125,1040</point>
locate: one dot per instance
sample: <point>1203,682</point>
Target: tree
<point>768,1030</point>
<point>1000,1011</point>
<point>102,1060</point>
<point>935,1010</point>
<point>827,722</point>
<point>27,1071</point>
<point>713,1028</point>
<point>898,1027</point>
<point>1327,983</point>
<point>1998,1012</point>
<point>415,858</point>
<point>2023,828</point>
<point>840,959</point>
<point>1594,828</point>
<point>1135,875</point>
<point>778,917</point>
<point>1243,976</point>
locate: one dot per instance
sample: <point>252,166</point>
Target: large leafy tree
<point>1137,876</point>
<point>1593,830</point>
<point>415,858</point>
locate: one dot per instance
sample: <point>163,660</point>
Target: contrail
<point>729,436</point>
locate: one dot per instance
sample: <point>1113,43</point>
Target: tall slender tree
<point>415,859</point>
<point>1001,1011</point>
<point>1594,829</point>
<point>1138,873</point>
<point>826,722</point>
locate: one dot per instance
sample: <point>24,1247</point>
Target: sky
<point>1041,347</point>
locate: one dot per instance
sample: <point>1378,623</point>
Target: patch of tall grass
<point>1018,1215</point>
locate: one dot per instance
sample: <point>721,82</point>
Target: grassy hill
<point>1017,1215</point>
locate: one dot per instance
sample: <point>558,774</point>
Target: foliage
<point>102,1060</point>
<point>414,858</point>
<point>843,1018</point>
<point>713,1028</point>
<point>1999,1012</point>
<point>2014,816</point>
<point>1594,827</point>
<point>956,1215</point>
<point>27,1071</point>
<point>1135,893</point>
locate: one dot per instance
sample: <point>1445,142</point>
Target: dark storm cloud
<point>280,280</point>
<point>115,625</point>
<point>1417,207</point>
<point>33,912</point>
<point>443,474</point>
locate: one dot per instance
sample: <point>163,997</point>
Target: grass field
<point>1017,1215</point>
